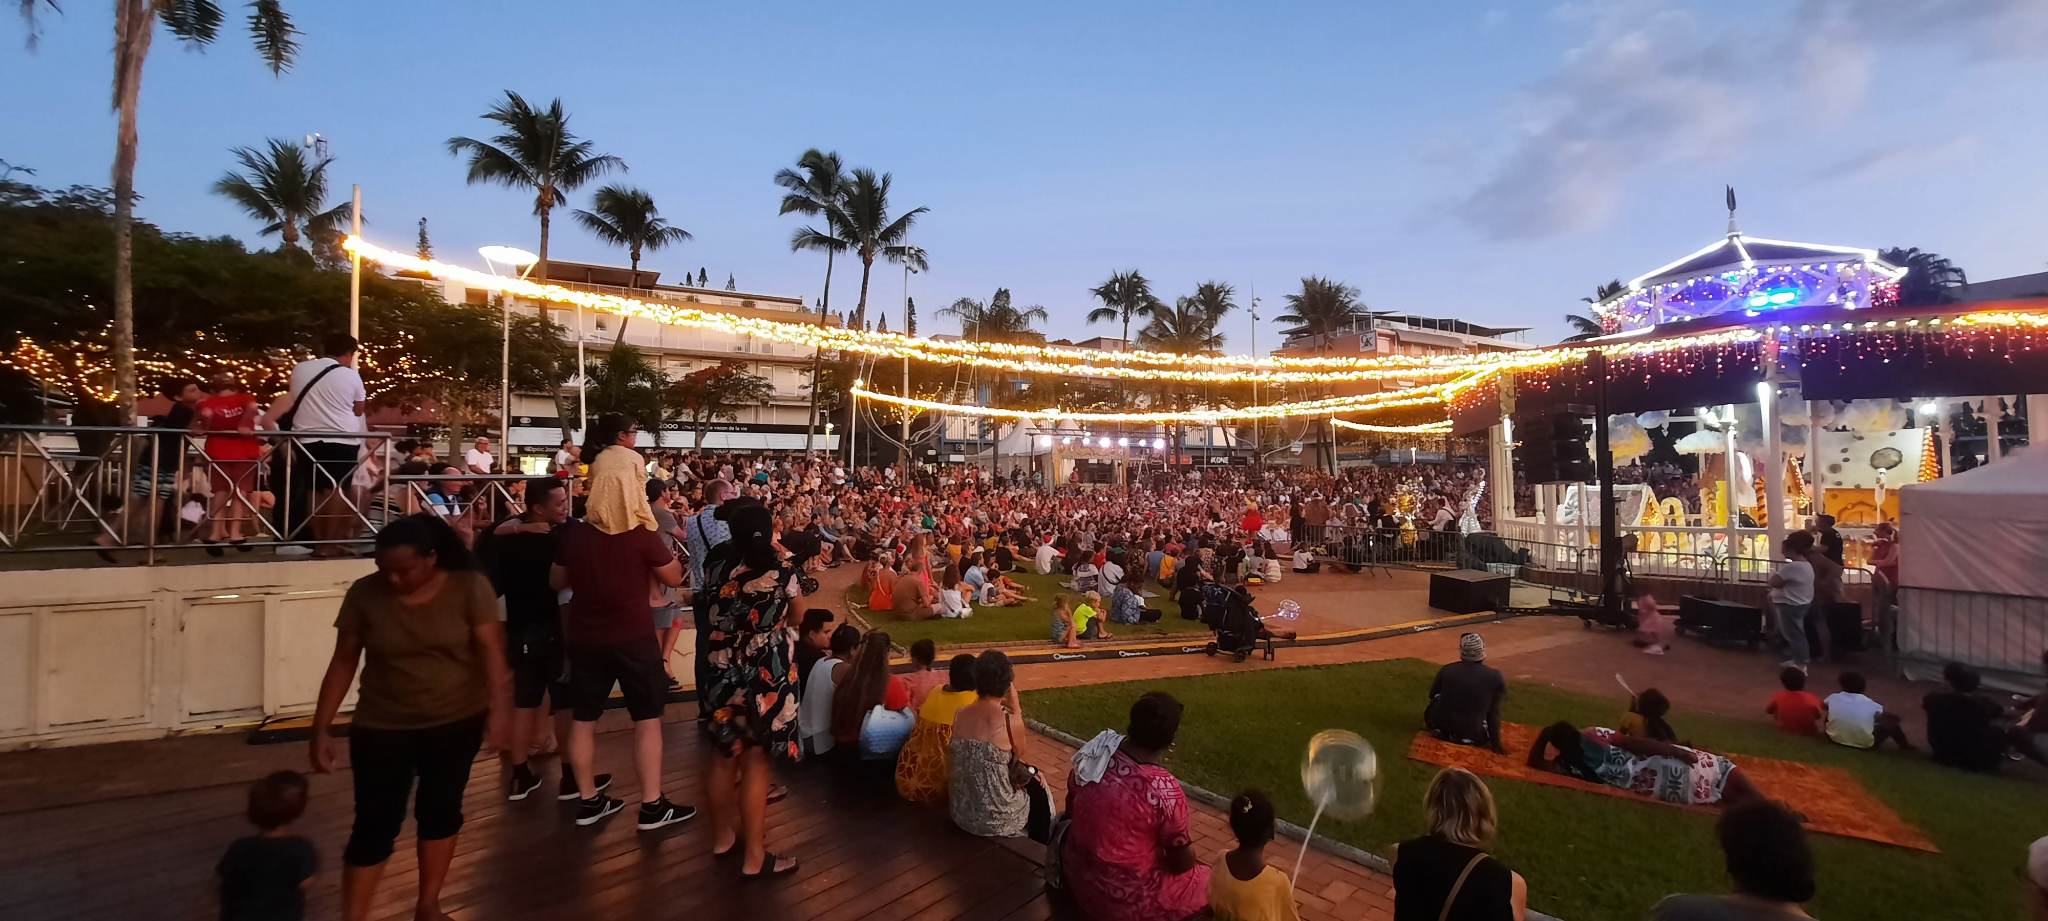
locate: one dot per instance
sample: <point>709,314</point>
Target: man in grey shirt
<point>1768,861</point>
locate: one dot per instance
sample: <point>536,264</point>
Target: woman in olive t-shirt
<point>435,684</point>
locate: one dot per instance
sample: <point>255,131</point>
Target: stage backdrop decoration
<point>1626,439</point>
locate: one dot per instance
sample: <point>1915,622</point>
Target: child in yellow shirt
<point>1241,886</point>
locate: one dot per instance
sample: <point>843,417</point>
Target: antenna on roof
<point>1731,212</point>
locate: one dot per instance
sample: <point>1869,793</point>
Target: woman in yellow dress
<point>921,768</point>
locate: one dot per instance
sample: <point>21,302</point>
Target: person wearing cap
<point>1464,700</point>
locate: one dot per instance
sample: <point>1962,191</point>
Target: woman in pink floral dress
<point>1129,854</point>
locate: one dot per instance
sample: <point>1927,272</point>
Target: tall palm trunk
<point>540,268</point>
<point>134,25</point>
<point>818,357</point>
<point>860,313</point>
<point>632,284</point>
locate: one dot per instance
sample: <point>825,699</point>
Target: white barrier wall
<point>95,655</point>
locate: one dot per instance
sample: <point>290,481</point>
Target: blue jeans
<point>1792,629</point>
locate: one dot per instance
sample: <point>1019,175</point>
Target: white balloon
<point>1340,773</point>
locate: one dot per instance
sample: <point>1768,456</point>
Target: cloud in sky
<point>1897,161</point>
<point>1655,82</point>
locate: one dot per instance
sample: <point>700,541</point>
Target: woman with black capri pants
<point>435,685</point>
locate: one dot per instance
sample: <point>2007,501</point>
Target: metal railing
<point>107,489</point>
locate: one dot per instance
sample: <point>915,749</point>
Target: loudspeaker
<point>1533,453</point>
<point>1721,621</point>
<point>1572,461</point>
<point>1468,591</point>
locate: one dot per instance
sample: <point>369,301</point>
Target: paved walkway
<point>132,829</point>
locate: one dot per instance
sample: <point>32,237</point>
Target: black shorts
<point>537,674</point>
<point>634,667</point>
<point>333,463</point>
<point>388,763</point>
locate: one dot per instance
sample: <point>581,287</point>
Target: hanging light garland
<point>1426,428</point>
<point>1419,396</point>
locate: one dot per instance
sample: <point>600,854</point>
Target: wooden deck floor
<point>152,855</point>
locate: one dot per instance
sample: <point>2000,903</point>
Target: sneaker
<point>568,790</point>
<point>589,811</point>
<point>293,550</point>
<point>524,782</point>
<point>662,813</point>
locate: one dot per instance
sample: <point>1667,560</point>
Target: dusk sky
<point>1492,162</point>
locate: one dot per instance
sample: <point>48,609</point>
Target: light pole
<point>1256,457</point>
<point>317,143</point>
<point>907,272</point>
<point>512,257</point>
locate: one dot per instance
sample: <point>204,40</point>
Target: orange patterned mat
<point>1833,802</point>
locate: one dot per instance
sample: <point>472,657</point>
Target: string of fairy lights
<point>1422,385</point>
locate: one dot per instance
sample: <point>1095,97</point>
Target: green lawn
<point>1586,857</point>
<point>1029,621</point>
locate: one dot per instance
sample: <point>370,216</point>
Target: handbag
<point>1022,774</point>
<point>1452,899</point>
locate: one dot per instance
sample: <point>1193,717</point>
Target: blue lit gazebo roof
<point>1752,276</point>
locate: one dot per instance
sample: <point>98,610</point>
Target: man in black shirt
<point>1962,725</point>
<point>1828,539</point>
<point>519,552</point>
<point>1464,700</point>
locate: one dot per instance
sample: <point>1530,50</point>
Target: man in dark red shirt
<point>609,639</point>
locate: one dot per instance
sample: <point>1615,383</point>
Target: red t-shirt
<point>221,418</point>
<point>1797,711</point>
<point>896,695</point>
<point>610,574</point>
<point>1891,572</point>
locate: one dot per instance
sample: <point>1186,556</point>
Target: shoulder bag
<point>1458,886</point>
<point>284,422</point>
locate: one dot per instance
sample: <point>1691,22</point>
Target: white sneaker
<point>294,550</point>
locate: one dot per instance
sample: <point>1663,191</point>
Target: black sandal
<point>769,868</point>
<point>213,548</point>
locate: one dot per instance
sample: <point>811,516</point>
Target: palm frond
<point>270,27</point>
<point>194,21</point>
<point>812,239</point>
<point>913,256</point>
<point>1105,315</point>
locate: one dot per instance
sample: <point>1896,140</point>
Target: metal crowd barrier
<point>81,489</point>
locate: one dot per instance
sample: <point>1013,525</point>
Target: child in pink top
<point>1653,629</point>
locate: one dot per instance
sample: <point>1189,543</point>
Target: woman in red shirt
<point>228,420</point>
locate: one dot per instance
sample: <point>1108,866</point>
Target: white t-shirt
<point>330,407</point>
<point>814,707</point>
<point>479,461</point>
<point>1798,587</point>
<point>1852,719</point>
<point>1044,557</point>
<point>1112,574</point>
<point>562,460</point>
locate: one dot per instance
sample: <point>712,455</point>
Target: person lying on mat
<point>1646,767</point>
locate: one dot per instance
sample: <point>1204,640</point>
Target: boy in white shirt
<point>1857,721</point>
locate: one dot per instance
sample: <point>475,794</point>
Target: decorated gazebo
<point>1807,389</point>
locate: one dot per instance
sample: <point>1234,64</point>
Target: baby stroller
<point>1238,628</point>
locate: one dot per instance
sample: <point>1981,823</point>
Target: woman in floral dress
<point>750,688</point>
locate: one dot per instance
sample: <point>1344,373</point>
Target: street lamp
<point>516,258</point>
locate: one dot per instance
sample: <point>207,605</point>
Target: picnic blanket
<point>1830,798</point>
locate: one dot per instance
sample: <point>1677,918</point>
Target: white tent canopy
<point>1017,442</point>
<point>1983,531</point>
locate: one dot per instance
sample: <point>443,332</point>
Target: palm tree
<point>1928,275</point>
<point>534,149</point>
<point>997,320</point>
<point>285,188</point>
<point>1192,326</point>
<point>1322,308</point>
<point>197,23</point>
<point>624,216</point>
<point>820,187</point>
<point>1586,326</point>
<point>862,224</point>
<point>1123,296</point>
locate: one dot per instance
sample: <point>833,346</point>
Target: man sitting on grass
<point>1859,722</point>
<point>1464,700</point>
<point>1962,725</point>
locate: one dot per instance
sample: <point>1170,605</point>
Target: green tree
<point>1929,276</point>
<point>863,225</point>
<point>197,23</point>
<point>714,394</point>
<point>423,247</point>
<point>448,357</point>
<point>284,187</point>
<point>1124,296</point>
<point>624,381</point>
<point>815,188</point>
<point>624,216</point>
<point>1193,325</point>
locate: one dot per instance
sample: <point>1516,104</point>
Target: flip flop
<point>778,793</point>
<point>769,868</point>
